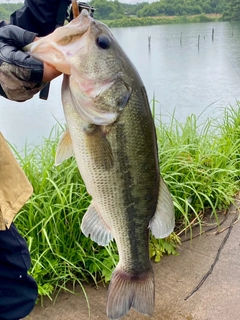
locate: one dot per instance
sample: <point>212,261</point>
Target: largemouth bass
<point>112,135</point>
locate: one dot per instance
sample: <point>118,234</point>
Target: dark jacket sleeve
<point>40,16</point>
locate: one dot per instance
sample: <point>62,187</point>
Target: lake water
<point>185,77</point>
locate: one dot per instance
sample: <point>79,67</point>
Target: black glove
<point>20,74</point>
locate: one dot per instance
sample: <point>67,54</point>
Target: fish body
<point>112,136</point>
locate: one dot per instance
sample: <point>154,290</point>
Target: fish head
<point>94,65</point>
<point>99,86</point>
<point>55,48</point>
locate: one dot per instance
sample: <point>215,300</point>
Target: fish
<point>112,135</point>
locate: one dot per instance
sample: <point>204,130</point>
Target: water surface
<point>185,77</point>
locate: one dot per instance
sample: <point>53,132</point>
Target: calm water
<point>184,78</point>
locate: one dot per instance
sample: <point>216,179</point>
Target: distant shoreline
<point>147,21</point>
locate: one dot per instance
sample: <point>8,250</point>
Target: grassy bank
<point>148,21</point>
<point>200,165</point>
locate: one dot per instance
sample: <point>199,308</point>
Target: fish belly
<point>124,190</point>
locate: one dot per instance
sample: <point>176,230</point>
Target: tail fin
<point>126,291</point>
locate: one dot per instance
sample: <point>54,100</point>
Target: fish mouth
<point>56,49</point>
<point>84,15</point>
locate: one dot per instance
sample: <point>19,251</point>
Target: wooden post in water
<point>149,42</point>
<point>212,34</point>
<point>198,41</point>
<point>181,39</point>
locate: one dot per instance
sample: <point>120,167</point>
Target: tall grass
<point>200,165</point>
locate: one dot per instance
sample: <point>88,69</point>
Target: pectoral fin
<point>163,222</point>
<point>99,148</point>
<point>94,225</point>
<point>64,148</point>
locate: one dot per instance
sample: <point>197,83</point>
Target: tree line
<point>113,10</point>
<point>232,10</point>
<point>6,9</point>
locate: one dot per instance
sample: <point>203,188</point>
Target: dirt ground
<point>175,277</point>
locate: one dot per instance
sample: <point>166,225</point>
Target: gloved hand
<point>20,74</point>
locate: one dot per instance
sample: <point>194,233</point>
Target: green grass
<point>200,164</point>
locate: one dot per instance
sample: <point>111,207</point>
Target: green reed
<point>200,163</point>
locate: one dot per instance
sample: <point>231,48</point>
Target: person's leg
<point>18,290</point>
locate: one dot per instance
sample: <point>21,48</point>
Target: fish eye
<point>103,42</point>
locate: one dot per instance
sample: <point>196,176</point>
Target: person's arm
<point>21,75</point>
<point>49,72</point>
<point>41,16</point>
